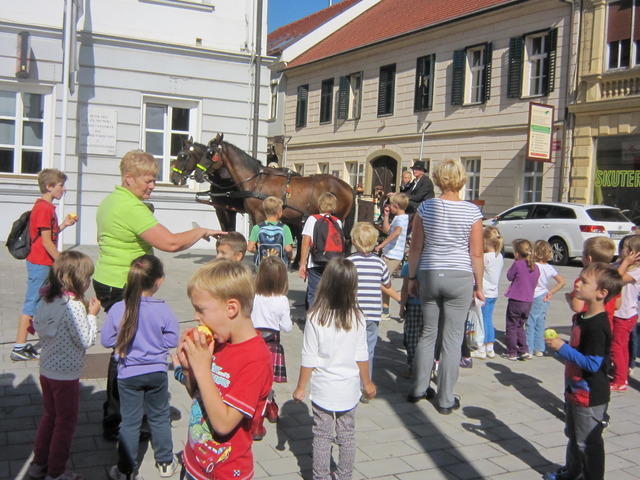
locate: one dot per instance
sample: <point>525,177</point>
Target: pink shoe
<point>618,387</point>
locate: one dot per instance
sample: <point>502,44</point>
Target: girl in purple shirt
<point>142,329</point>
<point>523,275</point>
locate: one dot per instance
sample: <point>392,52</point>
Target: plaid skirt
<point>413,322</point>
<point>272,339</point>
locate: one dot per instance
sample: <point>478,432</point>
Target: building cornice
<point>130,42</point>
<point>601,107</point>
<point>414,136</point>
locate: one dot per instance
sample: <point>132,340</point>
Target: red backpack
<point>328,239</point>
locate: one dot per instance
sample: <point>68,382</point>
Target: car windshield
<point>606,215</point>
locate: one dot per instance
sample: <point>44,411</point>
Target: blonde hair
<point>631,242</point>
<point>327,202</point>
<point>542,252</point>
<point>450,175</point>
<point>271,206</point>
<point>600,249</point>
<point>524,250</point>
<point>272,278</point>
<point>492,240</point>
<point>49,177</point>
<point>364,237</point>
<point>137,163</point>
<point>235,241</point>
<point>400,200</point>
<point>225,280</point>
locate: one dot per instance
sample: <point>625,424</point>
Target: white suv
<point>564,225</point>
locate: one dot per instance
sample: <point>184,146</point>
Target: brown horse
<point>299,194</point>
<point>189,160</point>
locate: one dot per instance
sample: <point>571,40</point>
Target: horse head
<point>186,161</point>
<point>215,150</point>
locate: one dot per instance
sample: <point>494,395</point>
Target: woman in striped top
<point>446,261</point>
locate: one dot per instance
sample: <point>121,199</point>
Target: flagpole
<point>67,28</point>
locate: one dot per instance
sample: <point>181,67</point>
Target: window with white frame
<point>355,171</point>
<point>22,130</point>
<point>475,74</point>
<point>536,54</point>
<point>273,108</point>
<point>167,124</point>
<point>349,97</point>
<point>532,186</point>
<point>623,33</point>
<point>323,168</point>
<point>472,187</point>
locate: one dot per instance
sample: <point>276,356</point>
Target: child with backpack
<point>271,237</point>
<point>322,240</point>
<point>271,315</point>
<point>43,230</point>
<point>66,323</point>
<point>142,329</point>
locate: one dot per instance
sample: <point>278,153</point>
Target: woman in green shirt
<point>127,229</point>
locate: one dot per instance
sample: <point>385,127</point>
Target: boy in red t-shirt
<point>43,230</point>
<point>230,390</point>
<point>602,250</point>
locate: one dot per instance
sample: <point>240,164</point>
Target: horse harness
<point>239,194</point>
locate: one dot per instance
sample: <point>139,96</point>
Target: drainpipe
<point>571,82</point>
<point>256,80</point>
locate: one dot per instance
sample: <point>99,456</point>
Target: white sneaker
<point>167,469</point>
<point>478,354</point>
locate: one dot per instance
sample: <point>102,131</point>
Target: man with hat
<point>421,188</point>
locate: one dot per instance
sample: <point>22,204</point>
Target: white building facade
<point>151,74</point>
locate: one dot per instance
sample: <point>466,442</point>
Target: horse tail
<point>349,222</point>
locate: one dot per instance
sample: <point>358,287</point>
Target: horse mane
<point>247,159</point>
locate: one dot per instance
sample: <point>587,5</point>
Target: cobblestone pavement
<point>509,427</point>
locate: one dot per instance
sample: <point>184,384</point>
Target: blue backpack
<point>270,242</point>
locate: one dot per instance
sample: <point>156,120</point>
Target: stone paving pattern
<point>509,427</point>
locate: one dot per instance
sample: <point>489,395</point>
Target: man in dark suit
<point>421,188</point>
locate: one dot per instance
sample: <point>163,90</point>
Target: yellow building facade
<point>606,142</point>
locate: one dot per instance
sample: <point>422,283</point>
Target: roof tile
<point>389,19</point>
<point>284,36</point>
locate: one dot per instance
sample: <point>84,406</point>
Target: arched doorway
<point>384,170</point>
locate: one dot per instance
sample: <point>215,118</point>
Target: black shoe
<point>429,394</point>
<point>448,410</point>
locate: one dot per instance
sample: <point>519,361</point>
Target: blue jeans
<point>314,275</point>
<point>372,339</point>
<point>150,393</point>
<point>487,319</point>
<point>535,324</point>
<point>36,276</point>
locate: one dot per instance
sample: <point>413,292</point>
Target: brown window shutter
<point>619,25</point>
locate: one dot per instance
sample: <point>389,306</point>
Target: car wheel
<point>560,251</point>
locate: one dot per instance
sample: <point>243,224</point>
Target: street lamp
<point>424,129</point>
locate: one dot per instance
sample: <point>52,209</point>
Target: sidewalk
<point>509,426</point>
